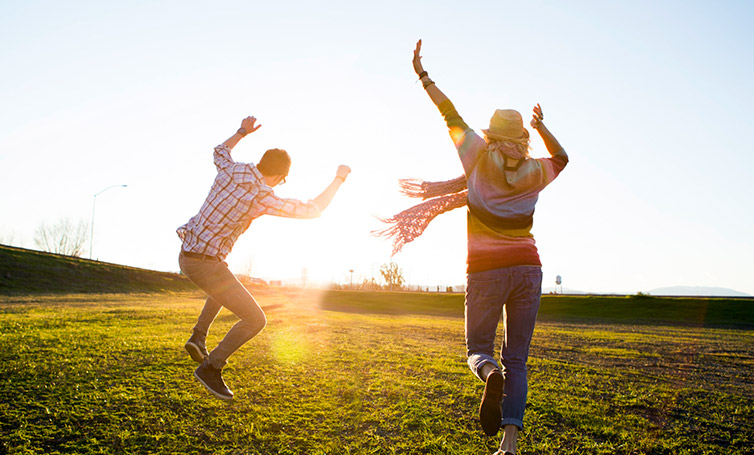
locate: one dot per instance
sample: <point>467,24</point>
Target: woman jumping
<point>504,271</point>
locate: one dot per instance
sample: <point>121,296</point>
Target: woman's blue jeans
<point>510,293</point>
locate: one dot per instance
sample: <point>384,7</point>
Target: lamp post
<point>94,204</point>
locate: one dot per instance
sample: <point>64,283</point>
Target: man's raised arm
<point>247,127</point>
<point>323,200</point>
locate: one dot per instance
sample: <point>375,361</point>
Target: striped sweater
<point>501,198</point>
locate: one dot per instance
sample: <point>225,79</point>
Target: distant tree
<point>369,285</point>
<point>63,237</point>
<point>245,274</point>
<point>392,274</point>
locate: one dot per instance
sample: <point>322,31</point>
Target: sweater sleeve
<point>552,166</point>
<point>467,142</point>
<point>536,174</point>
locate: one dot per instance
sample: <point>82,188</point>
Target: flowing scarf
<point>439,197</point>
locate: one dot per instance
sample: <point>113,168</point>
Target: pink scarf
<point>410,223</point>
<point>443,197</point>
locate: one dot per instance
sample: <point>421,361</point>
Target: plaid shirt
<point>238,196</point>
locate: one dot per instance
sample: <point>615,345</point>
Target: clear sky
<point>652,101</point>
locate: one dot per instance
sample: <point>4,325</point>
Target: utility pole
<point>94,204</point>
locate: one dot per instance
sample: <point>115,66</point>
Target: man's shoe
<point>196,349</point>
<point>490,411</point>
<point>212,379</point>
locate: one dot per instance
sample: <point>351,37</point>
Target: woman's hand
<point>537,117</point>
<point>435,94</point>
<point>417,58</point>
<point>552,144</point>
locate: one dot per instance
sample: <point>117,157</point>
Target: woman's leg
<point>509,443</point>
<point>484,307</point>
<point>519,318</point>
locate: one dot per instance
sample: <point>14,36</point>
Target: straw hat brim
<point>499,137</point>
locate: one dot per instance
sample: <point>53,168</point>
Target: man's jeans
<point>512,293</point>
<point>223,290</point>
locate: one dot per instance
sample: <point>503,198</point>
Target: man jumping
<point>240,193</point>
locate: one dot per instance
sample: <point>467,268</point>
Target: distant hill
<point>559,290</point>
<point>25,271</point>
<point>704,291</point>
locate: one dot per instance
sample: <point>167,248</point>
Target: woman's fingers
<point>538,113</point>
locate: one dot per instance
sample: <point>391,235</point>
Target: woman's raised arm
<point>435,94</point>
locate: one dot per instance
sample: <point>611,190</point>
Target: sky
<point>651,100</point>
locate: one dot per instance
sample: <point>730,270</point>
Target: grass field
<point>353,373</point>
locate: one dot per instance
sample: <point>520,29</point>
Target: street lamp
<point>94,204</point>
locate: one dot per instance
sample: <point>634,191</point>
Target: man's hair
<point>274,162</point>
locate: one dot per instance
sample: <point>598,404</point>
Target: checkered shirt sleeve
<point>271,204</point>
<point>240,173</point>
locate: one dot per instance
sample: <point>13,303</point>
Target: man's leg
<point>214,278</point>
<point>196,346</point>
<point>235,297</point>
<point>252,320</point>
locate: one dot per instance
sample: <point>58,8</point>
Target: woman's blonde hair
<point>515,148</point>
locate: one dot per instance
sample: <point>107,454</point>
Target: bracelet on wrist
<point>428,83</point>
<point>242,131</point>
<point>342,179</point>
<point>422,74</point>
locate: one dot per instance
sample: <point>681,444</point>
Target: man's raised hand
<point>343,172</point>
<point>249,124</point>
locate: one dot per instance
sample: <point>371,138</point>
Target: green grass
<point>361,373</point>
<point>632,310</point>
<point>25,272</point>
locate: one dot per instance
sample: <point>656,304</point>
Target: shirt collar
<point>260,178</point>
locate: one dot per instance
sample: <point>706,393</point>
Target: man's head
<point>274,165</point>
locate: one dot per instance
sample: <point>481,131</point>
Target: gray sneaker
<point>212,379</point>
<point>196,349</point>
<point>490,411</point>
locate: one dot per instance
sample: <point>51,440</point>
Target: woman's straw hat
<point>506,125</point>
